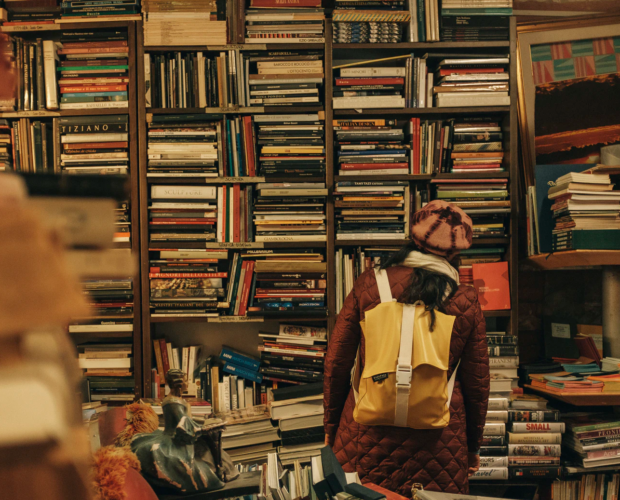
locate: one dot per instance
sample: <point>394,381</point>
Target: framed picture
<point>569,90</point>
<point>563,8</point>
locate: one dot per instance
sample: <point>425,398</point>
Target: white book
<point>498,473</point>
<point>494,429</point>
<point>371,236</point>
<point>534,450</point>
<point>220,214</point>
<point>176,356</point>
<point>91,105</point>
<point>249,397</point>
<point>107,327</point>
<point>147,79</point>
<point>49,69</point>
<point>368,103</point>
<point>266,80</point>
<point>313,238</point>
<point>289,64</point>
<point>491,462</point>
<point>519,427</point>
<point>422,83</point>
<point>503,362</point>
<point>497,416</point>
<point>429,90</point>
<point>498,404</point>
<point>183,192</point>
<point>369,72</point>
<point>286,118</point>
<point>226,393</point>
<point>241,403</point>
<point>90,364</point>
<point>475,77</point>
<point>284,100</point>
<point>414,35</point>
<point>462,100</point>
<point>77,138</point>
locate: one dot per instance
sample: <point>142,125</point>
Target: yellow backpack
<point>405,378</point>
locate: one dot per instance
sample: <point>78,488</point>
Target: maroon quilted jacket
<point>396,457</point>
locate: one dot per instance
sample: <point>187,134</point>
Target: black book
<point>304,439</point>
<point>493,451</point>
<point>293,362</point>
<point>308,431</point>
<point>84,186</point>
<point>332,470</point>
<point>362,492</point>
<point>535,472</point>
<point>460,22</point>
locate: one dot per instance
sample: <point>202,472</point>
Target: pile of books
<point>352,262</point>
<point>424,22</point>
<point>386,85</point>
<point>272,22</point>
<point>108,360</point>
<point>241,367</point>
<point>184,22</point>
<point>93,144</point>
<point>485,77</point>
<point>562,383</point>
<point>183,148</point>
<point>586,212</point>
<point>377,211</point>
<point>534,444</point>
<point>250,435</point>
<point>93,70</point>
<point>462,21</point>
<point>76,10</point>
<point>608,483</point>
<point>592,439</point>
<point>277,79</point>
<point>306,345</point>
<point>32,148</point>
<point>112,297</point>
<point>353,22</point>
<point>189,301</point>
<point>474,194</point>
<point>291,145</point>
<point>193,79</point>
<point>278,294</point>
<point>371,147</point>
<point>110,389</point>
<point>494,452</point>
<point>290,212</point>
<point>503,360</point>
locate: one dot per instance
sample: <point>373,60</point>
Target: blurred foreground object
<point>44,450</point>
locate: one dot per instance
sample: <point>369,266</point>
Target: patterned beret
<point>441,228</point>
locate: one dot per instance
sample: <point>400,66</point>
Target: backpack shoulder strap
<point>385,292</point>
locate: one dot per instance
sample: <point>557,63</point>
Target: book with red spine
<point>86,45</point>
<point>465,71</point>
<point>188,275</point>
<point>66,89</point>
<point>164,355</point>
<point>247,284</point>
<point>372,166</point>
<point>249,146</point>
<point>236,213</point>
<point>343,82</point>
<point>96,50</point>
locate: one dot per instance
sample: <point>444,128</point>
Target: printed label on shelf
<point>237,319</point>
<point>26,114</point>
<point>236,179</point>
<point>32,27</point>
<point>249,244</point>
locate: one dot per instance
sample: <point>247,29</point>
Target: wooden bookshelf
<point>576,258</point>
<point>581,398</point>
<point>507,116</point>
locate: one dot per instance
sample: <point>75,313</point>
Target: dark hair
<point>175,378</point>
<point>427,286</point>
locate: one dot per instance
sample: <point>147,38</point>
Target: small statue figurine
<point>169,457</point>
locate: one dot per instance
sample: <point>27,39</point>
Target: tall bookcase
<point>53,31</point>
<point>506,115</point>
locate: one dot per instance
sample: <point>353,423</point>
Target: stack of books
<point>424,22</point>
<point>476,137</point>
<point>93,144</point>
<point>562,383</point>
<point>175,262</point>
<point>185,22</point>
<point>250,435</point>
<point>503,345</point>
<point>608,483</point>
<point>464,21</point>
<point>112,297</point>
<point>32,146</point>
<point>534,446</point>
<point>291,79</point>
<point>88,65</point>
<point>109,389</point>
<point>184,148</point>
<point>386,85</point>
<point>378,211</point>
<point>494,462</point>
<point>486,79</point>
<point>352,262</point>
<point>353,22</point>
<point>586,212</point>
<point>190,213</point>
<point>300,80</point>
<point>307,346</point>
<point>471,195</point>
<point>192,79</point>
<point>109,361</point>
<point>369,147</point>
<point>276,294</point>
<point>291,145</point>
<point>76,10</point>
<point>290,212</point>
<point>240,366</point>
<point>593,440</point>
<point>270,21</point>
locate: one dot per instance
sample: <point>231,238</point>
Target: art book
<point>493,285</point>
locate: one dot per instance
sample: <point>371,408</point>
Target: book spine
<point>239,359</point>
<point>158,359</point>
<point>534,438</point>
<point>603,433</point>
<point>533,416</point>
<point>534,450</point>
<point>519,427</point>
<point>490,473</point>
<point>535,472</point>
<point>243,372</point>
<point>594,427</point>
<point>49,70</point>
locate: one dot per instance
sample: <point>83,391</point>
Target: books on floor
<point>186,22</point>
<point>269,21</point>
<point>290,145</point>
<point>376,211</point>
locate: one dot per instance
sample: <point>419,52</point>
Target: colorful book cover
<point>493,285</point>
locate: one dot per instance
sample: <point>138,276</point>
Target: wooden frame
<point>536,33</point>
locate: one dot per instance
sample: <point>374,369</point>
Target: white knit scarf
<point>432,263</point>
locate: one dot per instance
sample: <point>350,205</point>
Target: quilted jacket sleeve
<point>343,344</point>
<point>474,376</point>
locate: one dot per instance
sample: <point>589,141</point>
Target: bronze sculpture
<point>185,454</point>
